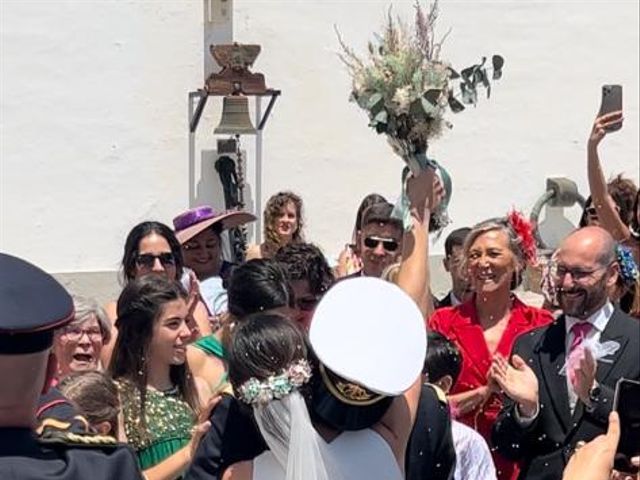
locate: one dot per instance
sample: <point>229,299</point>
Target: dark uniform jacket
<point>233,437</point>
<point>545,445</point>
<point>62,456</point>
<point>430,452</point>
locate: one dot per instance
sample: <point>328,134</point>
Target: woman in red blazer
<point>496,253</point>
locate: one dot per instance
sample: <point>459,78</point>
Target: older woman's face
<point>490,262</point>
<point>77,347</point>
<point>155,256</point>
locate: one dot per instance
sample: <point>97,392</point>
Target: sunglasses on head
<point>146,260</point>
<point>389,244</point>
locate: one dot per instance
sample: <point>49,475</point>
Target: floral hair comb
<point>524,231</point>
<point>628,268</point>
<point>255,391</point>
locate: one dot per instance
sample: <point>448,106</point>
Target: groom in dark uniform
<point>552,406</point>
<point>32,305</point>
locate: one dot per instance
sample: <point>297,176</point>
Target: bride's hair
<point>267,367</point>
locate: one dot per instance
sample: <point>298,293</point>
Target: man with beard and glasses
<point>558,394</point>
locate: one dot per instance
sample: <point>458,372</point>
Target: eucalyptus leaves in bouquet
<point>406,87</point>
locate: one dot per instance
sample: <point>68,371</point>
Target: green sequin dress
<point>169,422</point>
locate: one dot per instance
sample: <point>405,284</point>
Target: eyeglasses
<point>147,260</point>
<point>389,244</point>
<point>577,274</point>
<point>75,333</point>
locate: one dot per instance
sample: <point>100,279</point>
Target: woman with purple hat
<point>199,232</point>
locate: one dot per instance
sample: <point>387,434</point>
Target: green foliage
<point>405,87</point>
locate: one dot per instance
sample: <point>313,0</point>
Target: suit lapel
<point>612,332</point>
<point>551,352</point>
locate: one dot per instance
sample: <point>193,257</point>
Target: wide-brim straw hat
<point>190,223</point>
<point>370,340</point>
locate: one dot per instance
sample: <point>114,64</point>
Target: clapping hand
<point>517,381</point>
<point>584,375</point>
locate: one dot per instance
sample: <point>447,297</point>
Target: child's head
<point>443,362</point>
<point>95,396</point>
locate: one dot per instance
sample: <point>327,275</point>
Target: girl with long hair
<point>157,392</point>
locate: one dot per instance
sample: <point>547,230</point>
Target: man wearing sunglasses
<point>379,242</point>
<point>310,277</point>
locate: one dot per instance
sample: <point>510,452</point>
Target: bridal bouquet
<point>406,87</point>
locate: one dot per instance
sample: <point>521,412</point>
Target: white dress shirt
<point>473,458</point>
<point>598,320</point>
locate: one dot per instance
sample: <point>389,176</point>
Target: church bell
<point>235,117</point>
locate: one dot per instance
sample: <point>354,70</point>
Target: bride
<point>272,370</point>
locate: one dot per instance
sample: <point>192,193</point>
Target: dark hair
<point>366,202</point>
<point>305,261</point>
<point>635,226</point>
<point>380,213</point>
<point>258,285</point>
<point>623,191</point>
<point>95,396</point>
<point>273,210</point>
<point>132,244</point>
<point>263,345</point>
<point>139,306</point>
<point>624,194</point>
<point>455,239</point>
<point>584,216</point>
<point>443,358</point>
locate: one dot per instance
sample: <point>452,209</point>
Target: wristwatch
<point>594,396</point>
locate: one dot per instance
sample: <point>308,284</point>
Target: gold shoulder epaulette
<point>71,439</point>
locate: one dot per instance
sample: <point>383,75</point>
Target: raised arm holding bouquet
<point>406,88</point>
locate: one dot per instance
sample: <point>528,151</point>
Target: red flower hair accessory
<point>524,231</point>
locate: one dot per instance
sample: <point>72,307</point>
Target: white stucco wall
<point>94,105</point>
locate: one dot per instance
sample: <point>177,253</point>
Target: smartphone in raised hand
<point>611,102</point>
<point>626,401</point>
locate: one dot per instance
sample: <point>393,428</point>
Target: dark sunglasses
<point>146,260</point>
<point>307,304</point>
<point>389,244</point>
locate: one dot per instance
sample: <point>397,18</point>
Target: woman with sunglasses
<point>158,395</point>
<point>283,224</point>
<point>496,252</point>
<point>152,248</point>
